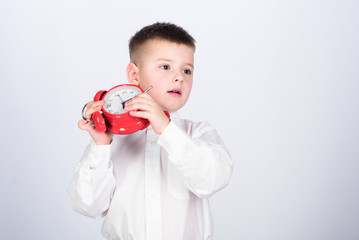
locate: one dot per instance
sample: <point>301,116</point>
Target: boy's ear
<point>132,74</point>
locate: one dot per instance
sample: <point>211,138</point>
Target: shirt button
<point>153,142</point>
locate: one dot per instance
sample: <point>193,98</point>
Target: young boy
<point>155,183</point>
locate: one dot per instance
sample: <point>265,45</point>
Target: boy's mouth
<point>175,92</point>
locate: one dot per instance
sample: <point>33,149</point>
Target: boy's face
<point>168,67</point>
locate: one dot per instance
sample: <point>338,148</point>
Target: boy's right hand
<point>100,138</point>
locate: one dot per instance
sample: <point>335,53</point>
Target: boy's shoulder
<point>192,127</point>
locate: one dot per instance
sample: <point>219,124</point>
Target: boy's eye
<point>165,67</point>
<point>187,71</point>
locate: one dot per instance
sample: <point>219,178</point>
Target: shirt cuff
<point>99,156</point>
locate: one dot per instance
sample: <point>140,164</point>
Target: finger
<point>144,95</point>
<point>96,104</point>
<point>141,97</point>
<point>93,107</point>
<point>93,104</point>
<point>85,125</point>
<point>142,106</point>
<point>100,103</point>
<point>90,104</point>
<point>140,114</point>
<point>144,98</point>
<point>89,112</point>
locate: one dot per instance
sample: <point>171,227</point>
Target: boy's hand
<point>144,106</point>
<point>100,138</point>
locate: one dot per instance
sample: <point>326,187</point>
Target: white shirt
<point>153,187</point>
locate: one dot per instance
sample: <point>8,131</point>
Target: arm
<point>93,183</point>
<point>200,156</point>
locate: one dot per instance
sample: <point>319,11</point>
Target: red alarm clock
<point>113,117</point>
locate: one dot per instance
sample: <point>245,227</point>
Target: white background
<point>278,79</point>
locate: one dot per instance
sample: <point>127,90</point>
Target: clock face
<point>116,98</point>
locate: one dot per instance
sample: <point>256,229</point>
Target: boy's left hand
<point>144,106</point>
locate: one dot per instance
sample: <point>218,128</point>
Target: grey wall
<point>278,79</point>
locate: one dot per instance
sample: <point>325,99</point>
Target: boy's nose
<point>178,77</point>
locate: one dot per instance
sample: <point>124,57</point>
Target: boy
<point>154,184</point>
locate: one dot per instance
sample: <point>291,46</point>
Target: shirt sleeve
<point>200,155</point>
<point>93,182</point>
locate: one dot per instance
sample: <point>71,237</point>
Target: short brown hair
<point>161,31</point>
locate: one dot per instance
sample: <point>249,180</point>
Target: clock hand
<point>120,97</point>
<point>146,90</point>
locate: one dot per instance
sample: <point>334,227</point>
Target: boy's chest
<point>142,165</point>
